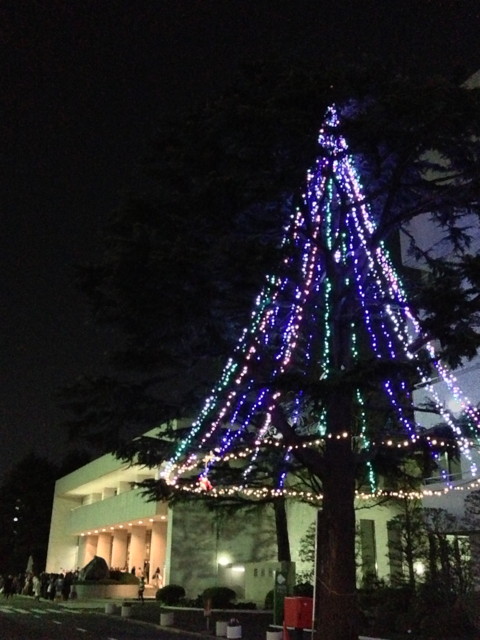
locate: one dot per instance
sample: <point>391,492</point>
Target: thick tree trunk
<point>335,589</point>
<point>281,526</point>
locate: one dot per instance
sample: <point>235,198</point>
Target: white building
<point>97,512</point>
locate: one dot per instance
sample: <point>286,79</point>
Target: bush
<point>269,601</point>
<point>438,612</point>
<point>170,594</point>
<point>220,597</point>
<point>429,612</point>
<point>116,574</point>
<point>124,577</point>
<point>246,606</point>
<point>446,622</point>
<point>388,608</point>
<point>470,604</point>
<point>304,589</point>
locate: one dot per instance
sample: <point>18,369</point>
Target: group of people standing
<point>57,586</point>
<point>49,586</point>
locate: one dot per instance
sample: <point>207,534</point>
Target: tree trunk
<point>432,557</point>
<point>409,545</point>
<point>281,526</point>
<point>336,615</point>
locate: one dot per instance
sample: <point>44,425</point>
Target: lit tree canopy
<point>326,369</point>
<point>334,315</point>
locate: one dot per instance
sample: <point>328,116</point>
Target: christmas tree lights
<point>328,245</point>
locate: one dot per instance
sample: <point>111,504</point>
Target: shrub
<point>116,574</point>
<point>470,604</point>
<point>446,622</point>
<point>125,577</point>
<point>195,603</point>
<point>170,594</point>
<point>304,589</point>
<point>388,608</point>
<point>247,606</point>
<point>220,597</point>
<point>269,601</point>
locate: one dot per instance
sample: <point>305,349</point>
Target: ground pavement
<point>194,623</point>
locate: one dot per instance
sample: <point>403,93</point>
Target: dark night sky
<point>83,83</point>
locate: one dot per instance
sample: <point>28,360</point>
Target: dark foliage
<point>184,259</point>
<point>220,597</point>
<point>304,589</point>
<point>170,594</point>
<point>25,512</point>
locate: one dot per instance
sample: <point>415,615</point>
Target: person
<point>37,587</point>
<point>67,584</point>
<point>8,587</point>
<point>141,589</point>
<point>51,587</point>
<point>59,587</point>
<point>157,576</point>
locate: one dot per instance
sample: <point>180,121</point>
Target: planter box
<point>221,628</point>
<point>110,608</point>
<point>105,591</point>
<point>234,632</point>
<point>166,619</point>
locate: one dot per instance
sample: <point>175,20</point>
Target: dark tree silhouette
<point>321,381</point>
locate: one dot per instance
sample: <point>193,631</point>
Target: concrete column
<point>137,548</point>
<point>81,553</point>
<point>158,548</point>
<point>89,549</point>
<point>104,546</point>
<point>119,549</point>
<point>108,492</point>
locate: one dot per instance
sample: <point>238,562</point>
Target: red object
<point>205,483</point>
<point>298,612</point>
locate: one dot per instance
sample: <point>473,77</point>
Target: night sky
<point>83,85</point>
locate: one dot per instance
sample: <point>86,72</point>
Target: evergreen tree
<point>324,374</point>
<point>329,359</point>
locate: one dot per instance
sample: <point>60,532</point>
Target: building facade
<point>97,511</point>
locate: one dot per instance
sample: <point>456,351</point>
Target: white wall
<point>62,548</point>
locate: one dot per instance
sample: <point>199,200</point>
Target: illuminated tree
<point>323,375</point>
<point>317,398</point>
